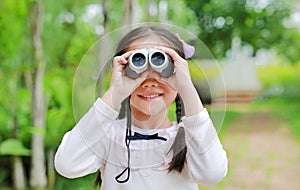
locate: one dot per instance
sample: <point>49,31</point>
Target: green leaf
<point>35,130</point>
<point>13,147</point>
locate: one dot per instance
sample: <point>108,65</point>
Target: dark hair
<point>178,147</point>
<point>145,31</point>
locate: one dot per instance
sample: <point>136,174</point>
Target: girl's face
<point>151,97</point>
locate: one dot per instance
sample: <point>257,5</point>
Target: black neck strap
<point>127,142</point>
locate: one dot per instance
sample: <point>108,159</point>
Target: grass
<point>230,116</point>
<point>285,109</point>
<point>83,183</point>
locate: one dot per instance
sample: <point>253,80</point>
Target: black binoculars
<point>142,59</point>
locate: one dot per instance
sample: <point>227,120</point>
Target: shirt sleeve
<point>83,149</point>
<point>206,159</point>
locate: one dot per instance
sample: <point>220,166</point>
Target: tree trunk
<point>17,164</point>
<point>105,7</point>
<point>51,170</point>
<point>38,172</point>
<point>127,12</point>
<point>18,173</point>
<point>148,4</point>
<point>163,11</point>
<point>104,47</point>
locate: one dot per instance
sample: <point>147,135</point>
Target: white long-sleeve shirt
<point>98,142</point>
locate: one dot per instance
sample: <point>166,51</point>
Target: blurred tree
<point>69,30</point>
<point>127,10</point>
<point>16,150</point>
<point>257,23</point>
<point>14,96</point>
<point>38,178</point>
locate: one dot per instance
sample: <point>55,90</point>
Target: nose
<point>150,83</point>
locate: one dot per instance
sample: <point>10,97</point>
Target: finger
<point>118,63</point>
<point>170,81</point>
<point>172,53</point>
<point>127,54</point>
<point>122,59</point>
<point>119,60</point>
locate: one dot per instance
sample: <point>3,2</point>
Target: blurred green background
<point>43,41</point>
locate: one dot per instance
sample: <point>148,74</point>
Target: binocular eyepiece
<point>142,59</point>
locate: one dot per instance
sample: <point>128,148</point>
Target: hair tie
<point>188,50</point>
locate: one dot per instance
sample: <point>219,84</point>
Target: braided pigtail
<point>98,180</point>
<point>178,147</point>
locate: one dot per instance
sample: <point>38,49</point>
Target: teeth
<point>150,96</point>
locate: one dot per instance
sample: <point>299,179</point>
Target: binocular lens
<point>143,59</point>
<point>157,58</point>
<point>138,59</point>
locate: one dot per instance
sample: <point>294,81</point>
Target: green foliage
<point>14,53</point>
<point>284,108</point>
<point>200,70</point>
<point>186,19</point>
<point>280,80</point>
<point>66,37</point>
<point>3,175</point>
<point>230,116</point>
<point>13,25</point>
<point>13,147</point>
<point>15,107</point>
<point>58,84</point>
<point>84,183</point>
<point>259,25</point>
<point>281,92</point>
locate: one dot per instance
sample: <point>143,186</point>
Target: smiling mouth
<point>150,96</point>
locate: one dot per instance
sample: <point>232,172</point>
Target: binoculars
<point>143,59</point>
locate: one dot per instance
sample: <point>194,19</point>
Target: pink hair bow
<point>188,50</point>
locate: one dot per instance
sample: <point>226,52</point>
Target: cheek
<point>134,101</point>
<point>170,97</point>
<point>134,97</point>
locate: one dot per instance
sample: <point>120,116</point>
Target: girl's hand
<point>181,79</point>
<point>182,83</point>
<point>121,86</point>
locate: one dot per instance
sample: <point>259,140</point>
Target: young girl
<point>146,150</point>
